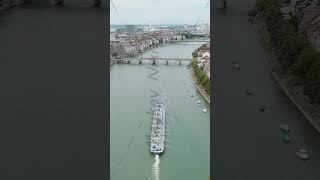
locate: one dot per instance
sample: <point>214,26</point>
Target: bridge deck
<point>172,59</point>
<point>167,61</point>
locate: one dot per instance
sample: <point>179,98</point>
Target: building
<point>131,29</point>
<point>298,5</point>
<point>308,16</point>
<point>206,66</point>
<point>204,61</point>
<point>112,36</point>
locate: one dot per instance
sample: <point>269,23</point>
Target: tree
<point>308,56</point>
<point>195,54</point>
<point>290,50</point>
<point>282,30</point>
<point>296,55</point>
<point>312,90</point>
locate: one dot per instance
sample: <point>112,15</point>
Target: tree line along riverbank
<point>202,81</point>
<point>296,56</point>
<point>294,61</point>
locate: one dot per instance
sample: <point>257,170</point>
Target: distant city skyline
<point>168,12</point>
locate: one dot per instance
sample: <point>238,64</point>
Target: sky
<point>159,11</point>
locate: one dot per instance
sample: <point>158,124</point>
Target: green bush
<point>190,36</point>
<point>195,54</point>
<point>312,89</point>
<point>290,49</point>
<point>305,60</point>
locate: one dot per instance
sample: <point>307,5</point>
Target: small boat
<point>204,110</point>
<point>262,108</point>
<point>191,96</point>
<point>302,154</point>
<point>286,138</point>
<point>285,128</point>
<point>237,66</point>
<point>199,101</point>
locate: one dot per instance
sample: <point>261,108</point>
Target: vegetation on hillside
<point>190,36</point>
<point>201,76</point>
<point>295,54</point>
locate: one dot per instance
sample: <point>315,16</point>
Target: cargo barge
<point>157,139</point>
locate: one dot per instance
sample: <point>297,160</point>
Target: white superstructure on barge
<point>157,140</point>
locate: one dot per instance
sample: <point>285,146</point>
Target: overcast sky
<point>159,11</point>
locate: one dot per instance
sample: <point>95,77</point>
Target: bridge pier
<point>167,62</point>
<point>154,62</point>
<point>140,62</point>
<point>179,62</point>
<point>128,62</point>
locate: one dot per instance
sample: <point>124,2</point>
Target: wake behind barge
<point>157,139</point>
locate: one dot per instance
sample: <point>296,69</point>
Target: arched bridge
<point>150,60</point>
<point>164,59</point>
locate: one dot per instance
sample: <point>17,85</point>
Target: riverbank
<point>291,85</point>
<point>198,86</point>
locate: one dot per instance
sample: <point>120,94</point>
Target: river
<point>187,153</point>
<point>248,142</point>
<point>53,118</point>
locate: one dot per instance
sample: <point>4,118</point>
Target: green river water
<point>187,153</point>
